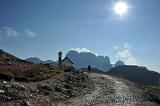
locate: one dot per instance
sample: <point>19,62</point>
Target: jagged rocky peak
<point>83,59</point>
<point>119,63</point>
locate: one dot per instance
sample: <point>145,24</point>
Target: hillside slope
<point>137,74</point>
<point>9,58</point>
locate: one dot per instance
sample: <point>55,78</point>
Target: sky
<point>42,28</point>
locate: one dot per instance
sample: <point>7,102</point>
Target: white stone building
<point>65,62</point>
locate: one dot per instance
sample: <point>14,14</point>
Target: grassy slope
<point>11,58</point>
<point>37,72</point>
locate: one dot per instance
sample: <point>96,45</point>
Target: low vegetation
<point>28,72</point>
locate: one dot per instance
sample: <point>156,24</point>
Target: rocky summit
<point>83,59</point>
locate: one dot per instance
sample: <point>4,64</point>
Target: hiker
<point>89,69</point>
<point>82,71</point>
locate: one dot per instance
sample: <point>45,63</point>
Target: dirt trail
<point>110,91</point>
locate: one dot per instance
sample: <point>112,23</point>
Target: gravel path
<point>111,91</point>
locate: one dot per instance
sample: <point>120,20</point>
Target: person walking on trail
<point>89,69</point>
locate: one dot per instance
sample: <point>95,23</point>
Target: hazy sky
<point>41,28</point>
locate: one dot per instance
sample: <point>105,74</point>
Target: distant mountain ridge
<point>137,74</point>
<point>80,59</point>
<point>36,60</point>
<point>83,59</point>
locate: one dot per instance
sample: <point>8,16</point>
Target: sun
<point>121,8</point>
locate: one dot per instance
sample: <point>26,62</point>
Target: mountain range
<point>133,73</point>
<point>36,60</point>
<point>83,59</point>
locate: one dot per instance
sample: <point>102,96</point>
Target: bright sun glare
<point>121,8</point>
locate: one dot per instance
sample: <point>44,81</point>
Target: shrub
<point>6,76</point>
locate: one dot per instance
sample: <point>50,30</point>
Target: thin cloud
<point>79,50</point>
<point>127,46</point>
<point>30,33</point>
<point>115,47</point>
<point>125,54</point>
<point>9,32</point>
